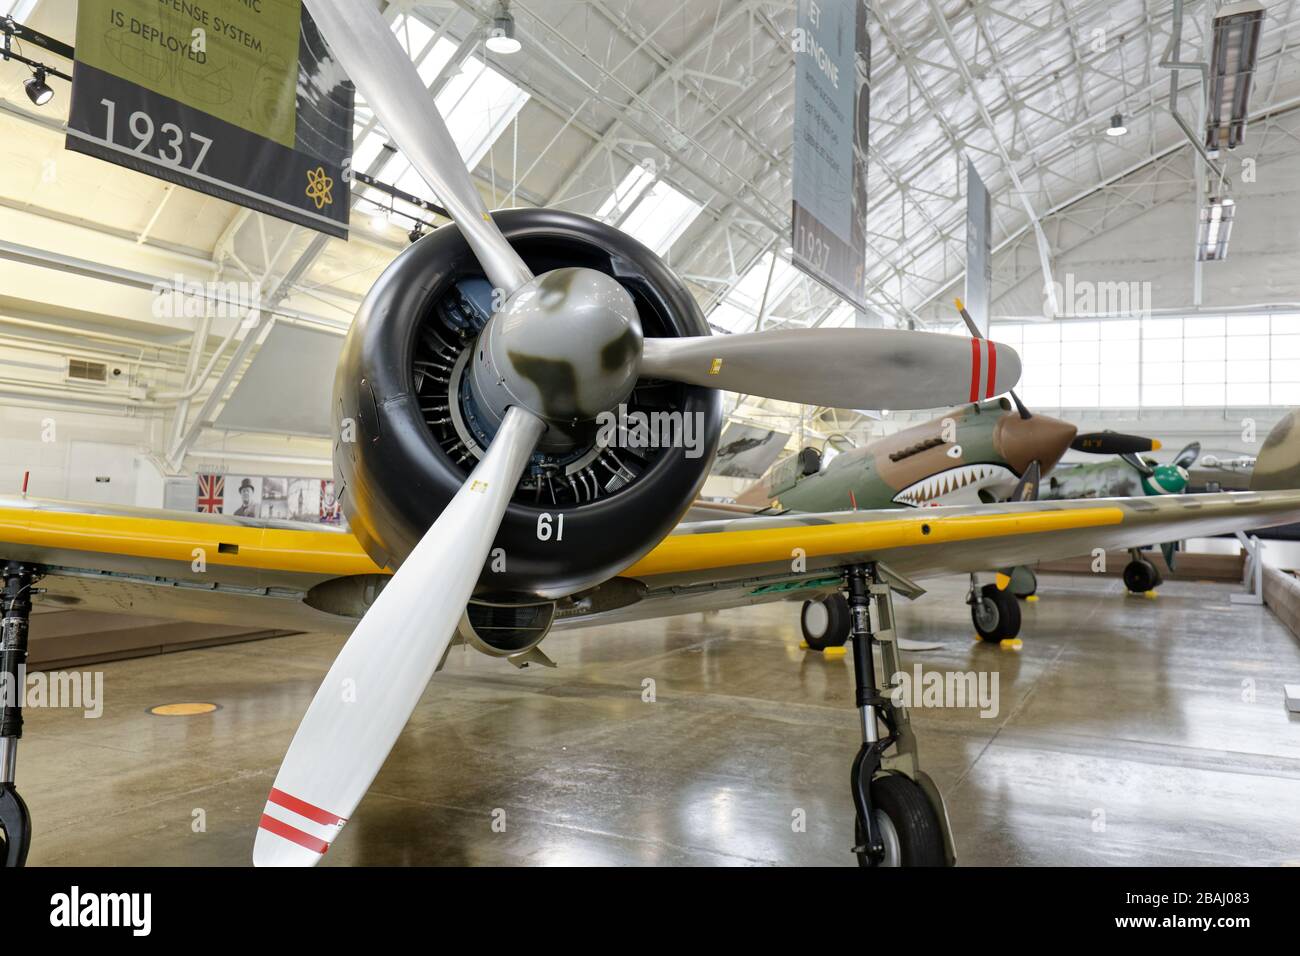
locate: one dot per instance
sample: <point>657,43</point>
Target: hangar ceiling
<point>672,119</point>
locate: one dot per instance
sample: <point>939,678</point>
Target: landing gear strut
<point>900,816</point>
<point>15,609</point>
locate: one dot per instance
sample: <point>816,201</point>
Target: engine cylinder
<point>409,428</point>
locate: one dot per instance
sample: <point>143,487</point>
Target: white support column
<point>1254,576</point>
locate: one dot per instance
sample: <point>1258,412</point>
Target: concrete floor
<point>1122,738</point>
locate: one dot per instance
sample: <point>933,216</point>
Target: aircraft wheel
<point>1024,583</point>
<point>825,623</point>
<point>907,822</point>
<point>996,615</point>
<point>1141,576</point>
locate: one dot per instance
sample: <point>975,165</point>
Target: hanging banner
<point>979,249</point>
<point>239,99</point>
<point>832,59</point>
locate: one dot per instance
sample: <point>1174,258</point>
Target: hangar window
<point>477,102</point>
<point>661,217</point>
<point>20,10</point>
<point>649,210</point>
<point>415,36</point>
<point>1158,362</point>
<point>627,192</point>
<point>738,311</point>
<point>842,316</point>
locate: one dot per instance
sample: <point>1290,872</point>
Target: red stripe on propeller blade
<point>304,809</point>
<point>293,834</point>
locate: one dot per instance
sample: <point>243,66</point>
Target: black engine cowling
<point>407,432</point>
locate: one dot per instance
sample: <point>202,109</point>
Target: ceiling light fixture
<point>38,91</point>
<point>1232,67</point>
<point>501,38</point>
<point>1215,229</point>
<point>1117,127</point>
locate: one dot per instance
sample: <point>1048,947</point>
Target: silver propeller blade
<point>840,368</point>
<point>387,79</point>
<point>378,677</point>
<point>975,333</point>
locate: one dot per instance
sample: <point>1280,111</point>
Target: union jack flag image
<point>212,490</point>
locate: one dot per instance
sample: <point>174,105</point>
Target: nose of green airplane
<point>1166,480</point>
<point>1037,438</point>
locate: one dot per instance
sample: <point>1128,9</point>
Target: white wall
<point>66,450</point>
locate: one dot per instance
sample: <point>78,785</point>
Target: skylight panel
<point>843,317</point>
<point>366,148</point>
<point>478,104</point>
<point>625,194</point>
<point>412,33</point>
<point>661,217</point>
<point>738,311</point>
<point>20,10</point>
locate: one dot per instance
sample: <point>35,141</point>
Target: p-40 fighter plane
<point>981,452</point>
<point>984,452</point>
<point>467,464</point>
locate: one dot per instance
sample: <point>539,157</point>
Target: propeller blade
<point>386,78</point>
<point>1142,468</point>
<point>1027,487</point>
<point>1187,457</point>
<point>378,677</point>
<point>976,333</point>
<point>839,368</point>
<point>1113,443</point>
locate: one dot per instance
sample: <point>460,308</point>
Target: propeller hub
<point>1167,480</point>
<point>1038,438</point>
<point>566,347</point>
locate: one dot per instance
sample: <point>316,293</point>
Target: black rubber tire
<point>1012,587</point>
<point>1028,594</point>
<point>1008,615</point>
<point>1141,576</point>
<point>837,624</point>
<point>394,478</point>
<point>920,838</point>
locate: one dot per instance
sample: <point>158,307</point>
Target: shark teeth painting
<point>957,485</point>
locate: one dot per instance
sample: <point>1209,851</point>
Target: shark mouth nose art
<point>964,477</point>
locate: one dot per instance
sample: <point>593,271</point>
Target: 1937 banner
<point>832,58</point>
<point>236,98</point>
